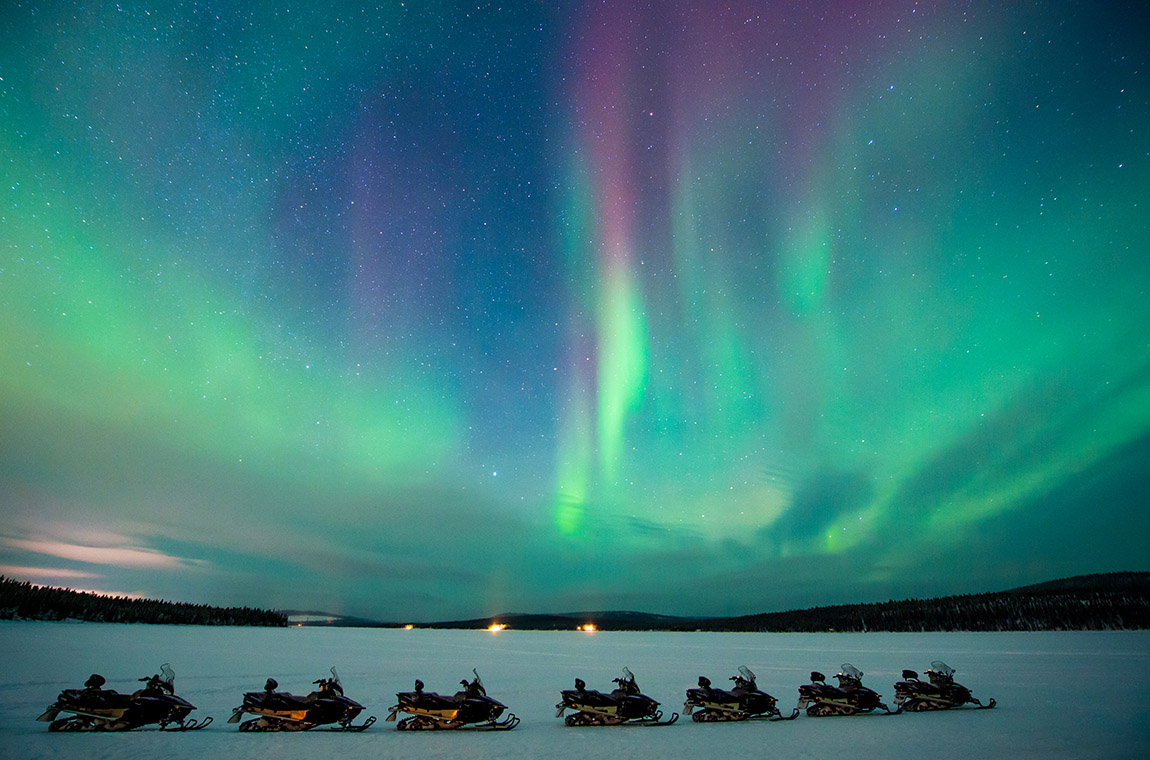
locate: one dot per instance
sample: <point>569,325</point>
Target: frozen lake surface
<point>1060,695</point>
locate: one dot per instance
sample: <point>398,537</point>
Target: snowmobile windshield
<point>335,678</point>
<point>940,667</point>
<point>747,673</point>
<point>628,675</point>
<point>851,670</point>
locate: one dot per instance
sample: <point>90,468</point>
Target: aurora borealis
<point>427,310</point>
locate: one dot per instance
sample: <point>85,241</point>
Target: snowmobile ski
<point>188,725</point>
<point>353,728</point>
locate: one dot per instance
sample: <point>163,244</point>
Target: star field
<point>434,309</point>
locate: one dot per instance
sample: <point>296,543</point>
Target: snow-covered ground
<point>1060,695</point>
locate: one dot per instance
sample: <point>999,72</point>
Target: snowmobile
<point>468,708</point>
<point>281,711</point>
<point>625,704</point>
<point>744,702</point>
<point>940,693</point>
<point>97,709</point>
<point>849,698</point>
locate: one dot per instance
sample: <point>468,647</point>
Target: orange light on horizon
<point>408,627</point>
<point>589,628</point>
<point>496,627</point>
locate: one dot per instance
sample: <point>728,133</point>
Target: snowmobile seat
<point>100,698</point>
<point>427,700</point>
<point>588,697</point>
<point>275,700</point>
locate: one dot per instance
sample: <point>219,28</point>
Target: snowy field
<point>1060,695</point>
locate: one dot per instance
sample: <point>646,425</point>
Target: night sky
<point>431,310</point>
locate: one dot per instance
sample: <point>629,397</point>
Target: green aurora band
<point>417,314</point>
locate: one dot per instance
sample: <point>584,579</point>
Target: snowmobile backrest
<point>271,684</point>
<point>95,681</point>
<point>910,675</point>
<point>704,682</point>
<point>817,677</point>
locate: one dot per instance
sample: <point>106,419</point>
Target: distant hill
<point>20,600</point>
<point>1108,601</point>
<point>567,621</point>
<point>1098,582</point>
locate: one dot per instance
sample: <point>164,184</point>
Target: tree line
<point>1116,601</point>
<point>21,600</point>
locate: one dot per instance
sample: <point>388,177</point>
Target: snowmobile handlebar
<point>326,684</point>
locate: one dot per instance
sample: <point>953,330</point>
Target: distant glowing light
<point>408,627</point>
<point>496,627</point>
<point>589,628</point>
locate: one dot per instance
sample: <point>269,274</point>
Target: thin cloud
<point>102,555</point>
<point>23,571</point>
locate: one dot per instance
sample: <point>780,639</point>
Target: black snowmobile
<point>626,704</point>
<point>469,708</point>
<point>281,711</point>
<point>850,698</point>
<point>940,693</point>
<point>744,702</point>
<point>96,709</point>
